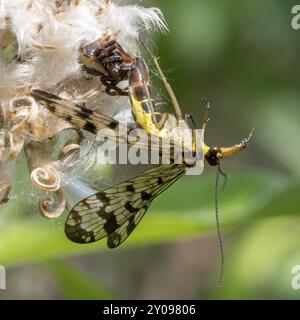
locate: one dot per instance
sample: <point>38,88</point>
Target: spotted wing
<point>76,114</point>
<point>83,118</point>
<point>116,211</point>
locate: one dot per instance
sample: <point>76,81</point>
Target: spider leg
<point>111,87</point>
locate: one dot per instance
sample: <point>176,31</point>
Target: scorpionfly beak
<point>214,155</point>
<point>229,151</point>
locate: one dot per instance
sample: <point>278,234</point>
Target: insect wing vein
<point>116,214</point>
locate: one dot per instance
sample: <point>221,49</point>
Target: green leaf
<point>261,261</point>
<point>76,284</point>
<point>279,131</point>
<point>283,203</point>
<point>185,210</point>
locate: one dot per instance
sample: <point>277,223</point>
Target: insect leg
<point>111,87</point>
<point>166,83</point>
<point>163,117</point>
<point>206,118</point>
<point>190,120</point>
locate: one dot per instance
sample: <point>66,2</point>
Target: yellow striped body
<point>140,95</point>
<point>143,118</point>
<point>143,108</point>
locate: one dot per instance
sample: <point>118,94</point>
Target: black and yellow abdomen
<point>140,95</point>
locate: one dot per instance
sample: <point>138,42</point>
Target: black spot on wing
<point>130,188</point>
<point>51,107</point>
<point>111,225</point>
<point>160,180</point>
<point>130,208</point>
<point>44,95</point>
<point>121,234</point>
<point>89,126</point>
<point>146,196</point>
<point>83,112</point>
<point>113,124</point>
<point>101,196</point>
<point>69,118</point>
<point>92,220</point>
<point>78,235</point>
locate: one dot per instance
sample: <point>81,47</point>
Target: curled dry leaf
<point>52,206</point>
<point>69,149</point>
<point>38,36</point>
<point>28,118</point>
<point>46,178</point>
<point>47,160</point>
<point>22,112</point>
<point>5,188</point>
<point>16,144</point>
<point>50,151</point>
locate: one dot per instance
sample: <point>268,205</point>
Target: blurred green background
<point>243,56</point>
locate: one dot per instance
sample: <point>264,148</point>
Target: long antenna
<point>206,118</point>
<point>218,223</point>
<point>225,178</point>
<point>165,81</point>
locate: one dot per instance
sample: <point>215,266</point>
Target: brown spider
<point>110,62</point>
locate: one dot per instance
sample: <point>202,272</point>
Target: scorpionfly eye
<point>213,156</point>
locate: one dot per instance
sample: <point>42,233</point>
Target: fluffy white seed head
<point>42,41</point>
<point>49,34</point>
